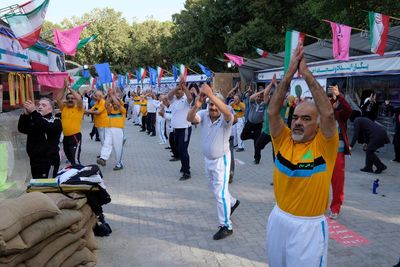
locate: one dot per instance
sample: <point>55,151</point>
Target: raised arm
<point>275,120</point>
<point>253,96</point>
<point>267,90</point>
<point>60,98</point>
<point>77,97</point>
<point>230,93</point>
<point>324,106</point>
<point>171,93</point>
<point>223,108</point>
<point>191,116</point>
<point>189,96</point>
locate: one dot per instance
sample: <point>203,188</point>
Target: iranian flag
<point>261,52</point>
<point>160,72</point>
<point>39,58</point>
<point>292,39</point>
<point>26,27</point>
<point>142,72</point>
<point>183,71</point>
<point>379,28</point>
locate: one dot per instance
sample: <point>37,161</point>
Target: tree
<point>112,42</point>
<point>147,41</point>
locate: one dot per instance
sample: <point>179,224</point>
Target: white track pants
<point>237,130</point>
<point>102,134</point>
<point>161,129</point>
<point>217,170</point>
<point>130,111</point>
<point>114,139</point>
<point>296,241</point>
<point>136,113</point>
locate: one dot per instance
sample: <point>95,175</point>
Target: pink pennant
<point>68,40</point>
<point>238,60</point>
<point>341,40</point>
<point>51,79</point>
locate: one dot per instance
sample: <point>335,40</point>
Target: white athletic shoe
<point>333,215</point>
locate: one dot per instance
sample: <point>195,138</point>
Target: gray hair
<point>48,100</point>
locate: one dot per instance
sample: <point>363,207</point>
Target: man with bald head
<point>297,231</point>
<point>43,130</point>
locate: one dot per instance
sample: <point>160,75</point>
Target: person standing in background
<point>342,111</point>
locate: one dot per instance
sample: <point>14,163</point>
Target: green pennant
<point>81,81</point>
<point>85,41</point>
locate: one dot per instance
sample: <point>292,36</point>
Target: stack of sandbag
<point>38,229</point>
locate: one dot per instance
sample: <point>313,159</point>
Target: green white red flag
<point>183,71</point>
<point>85,41</point>
<point>292,39</point>
<point>261,52</point>
<point>27,27</point>
<point>160,72</point>
<point>142,73</point>
<point>378,33</point>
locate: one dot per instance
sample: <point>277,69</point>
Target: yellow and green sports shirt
<point>302,173</point>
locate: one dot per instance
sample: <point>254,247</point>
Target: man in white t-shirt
<point>180,99</point>
<point>152,105</point>
<point>216,123</point>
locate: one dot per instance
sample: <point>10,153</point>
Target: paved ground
<point>160,221</point>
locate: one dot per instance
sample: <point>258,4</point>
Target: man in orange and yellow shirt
<point>114,135</point>
<point>239,108</point>
<point>71,120</point>
<point>297,231</point>
<point>143,112</point>
<point>101,121</point>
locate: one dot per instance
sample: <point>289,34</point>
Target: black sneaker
<point>256,161</point>
<point>380,169</point>
<point>222,233</point>
<point>185,177</point>
<point>240,150</point>
<point>98,140</point>
<point>237,203</point>
<point>167,147</point>
<point>173,159</point>
<point>118,167</point>
<point>365,169</point>
<point>230,178</point>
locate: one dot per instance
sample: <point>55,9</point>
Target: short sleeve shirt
<point>214,135</point>
<point>302,173</point>
<point>179,110</point>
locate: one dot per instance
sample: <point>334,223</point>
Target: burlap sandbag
<point>46,227</point>
<point>15,259</point>
<point>18,213</point>
<point>80,202</point>
<point>64,202</point>
<point>54,247</point>
<point>65,253</point>
<point>82,256</point>
<point>89,264</point>
<point>13,245</point>
<point>91,242</point>
<point>86,212</point>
